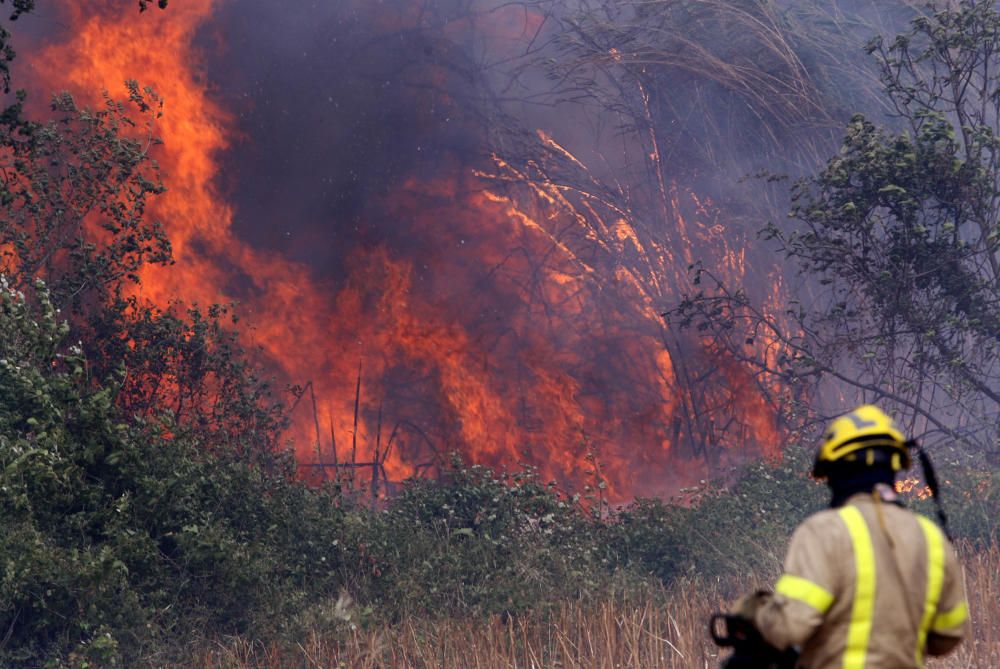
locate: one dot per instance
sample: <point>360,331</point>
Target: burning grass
<point>661,628</point>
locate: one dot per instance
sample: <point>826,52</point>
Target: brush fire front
<point>503,308</point>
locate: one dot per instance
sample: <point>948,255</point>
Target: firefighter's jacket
<point>869,585</point>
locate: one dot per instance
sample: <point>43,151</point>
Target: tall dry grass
<point>664,629</point>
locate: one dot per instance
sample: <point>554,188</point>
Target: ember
<point>913,486</point>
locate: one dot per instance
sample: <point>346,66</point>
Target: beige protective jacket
<point>869,585</point>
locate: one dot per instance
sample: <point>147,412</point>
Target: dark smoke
<point>337,104</point>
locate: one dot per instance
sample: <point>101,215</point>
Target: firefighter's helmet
<point>863,437</point>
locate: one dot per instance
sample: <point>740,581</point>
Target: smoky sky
<point>334,105</point>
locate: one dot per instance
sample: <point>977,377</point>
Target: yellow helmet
<point>866,436</point>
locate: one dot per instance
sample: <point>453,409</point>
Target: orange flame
<point>527,331</point>
<point>913,486</point>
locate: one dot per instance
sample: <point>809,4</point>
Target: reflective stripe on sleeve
<point>804,590</point>
<point>935,580</point>
<point>863,609</point>
<point>951,619</point>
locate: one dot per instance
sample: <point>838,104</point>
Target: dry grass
<point>982,584</point>
<point>662,630</point>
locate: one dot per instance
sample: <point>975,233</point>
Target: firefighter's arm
<point>951,621</point>
<point>803,594</point>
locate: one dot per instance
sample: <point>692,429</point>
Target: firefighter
<point>867,584</point>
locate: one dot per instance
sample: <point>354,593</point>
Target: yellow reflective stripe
<point>796,587</point>
<point>951,619</point>
<point>935,580</point>
<point>863,609</point>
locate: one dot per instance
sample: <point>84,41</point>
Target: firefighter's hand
<point>746,607</point>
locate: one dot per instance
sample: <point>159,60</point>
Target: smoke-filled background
<point>456,223</point>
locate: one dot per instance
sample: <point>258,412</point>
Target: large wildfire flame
<point>514,321</point>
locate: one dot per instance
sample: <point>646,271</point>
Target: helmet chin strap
<point>931,478</point>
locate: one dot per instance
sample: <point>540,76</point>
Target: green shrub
<point>118,536</point>
<point>477,541</point>
<point>734,526</point>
